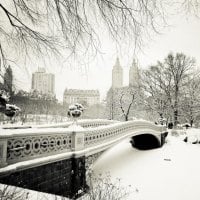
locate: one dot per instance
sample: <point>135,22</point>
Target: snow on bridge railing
<point>98,136</point>
<point>18,145</point>
<point>84,123</point>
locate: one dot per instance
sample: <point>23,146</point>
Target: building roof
<point>81,92</point>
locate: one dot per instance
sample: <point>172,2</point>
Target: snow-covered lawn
<point>168,173</point>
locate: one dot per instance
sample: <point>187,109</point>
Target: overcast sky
<point>182,36</point>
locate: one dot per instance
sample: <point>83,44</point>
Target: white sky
<point>182,36</point>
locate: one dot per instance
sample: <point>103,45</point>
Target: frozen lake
<point>168,173</point>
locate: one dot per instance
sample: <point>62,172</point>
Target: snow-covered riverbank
<point>168,173</point>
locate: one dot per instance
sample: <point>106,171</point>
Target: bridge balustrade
<point>55,159</point>
<point>21,145</point>
<point>84,123</point>
<point>97,136</point>
<point>27,147</point>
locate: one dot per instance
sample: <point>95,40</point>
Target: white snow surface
<point>75,127</point>
<point>168,173</point>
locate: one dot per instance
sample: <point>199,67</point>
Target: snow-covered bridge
<point>53,158</point>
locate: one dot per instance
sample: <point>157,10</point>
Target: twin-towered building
<point>120,96</point>
<point>117,75</point>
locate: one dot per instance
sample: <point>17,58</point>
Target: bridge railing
<point>18,145</point>
<point>97,136</point>
<point>84,123</point>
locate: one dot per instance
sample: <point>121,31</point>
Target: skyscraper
<point>134,77</point>
<point>117,75</point>
<point>43,82</point>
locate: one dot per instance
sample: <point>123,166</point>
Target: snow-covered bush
<point>101,187</point>
<point>12,193</point>
<point>9,110</point>
<point>4,97</point>
<point>174,133</point>
<point>186,125</point>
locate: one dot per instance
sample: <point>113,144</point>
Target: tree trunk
<point>191,122</point>
<point>175,118</point>
<point>161,118</point>
<point>176,107</point>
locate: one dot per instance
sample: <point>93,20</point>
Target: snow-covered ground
<point>168,173</point>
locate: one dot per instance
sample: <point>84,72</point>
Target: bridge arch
<point>145,141</point>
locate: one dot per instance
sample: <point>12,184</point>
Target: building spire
<point>117,75</point>
<point>117,63</point>
<point>134,63</point>
<point>134,74</point>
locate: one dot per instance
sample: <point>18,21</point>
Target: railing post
<point>78,142</point>
<point>78,173</point>
<point>3,152</point>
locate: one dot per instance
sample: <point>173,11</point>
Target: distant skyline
<point>182,36</point>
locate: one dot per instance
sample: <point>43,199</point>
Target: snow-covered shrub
<point>4,97</point>
<point>186,125</point>
<point>101,187</point>
<point>174,132</point>
<point>9,110</point>
<point>12,193</point>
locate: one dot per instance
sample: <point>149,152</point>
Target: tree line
<point>168,90</point>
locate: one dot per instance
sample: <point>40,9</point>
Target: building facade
<point>43,82</point>
<point>119,98</point>
<point>134,75</point>
<point>117,75</point>
<point>85,97</point>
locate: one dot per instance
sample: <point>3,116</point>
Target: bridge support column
<point>3,152</point>
<point>163,136</point>
<point>78,173</point>
<point>78,177</point>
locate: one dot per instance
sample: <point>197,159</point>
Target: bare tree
<point>190,7</point>
<point>178,67</point>
<point>157,91</point>
<point>35,27</point>
<point>190,106</point>
<point>164,82</point>
<point>126,104</point>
